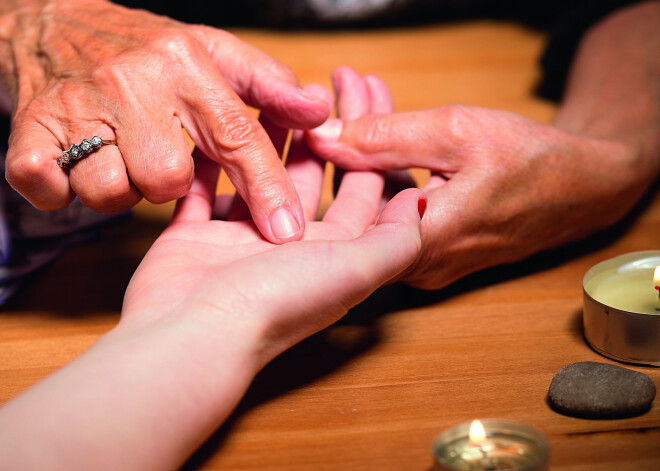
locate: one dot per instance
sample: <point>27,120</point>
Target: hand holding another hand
<point>502,186</point>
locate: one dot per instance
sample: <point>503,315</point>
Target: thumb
<point>387,141</point>
<point>397,234</point>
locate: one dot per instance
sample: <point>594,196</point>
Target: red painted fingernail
<point>421,206</point>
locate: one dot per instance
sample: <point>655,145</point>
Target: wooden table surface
<point>371,392</point>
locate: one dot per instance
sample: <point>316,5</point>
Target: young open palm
<point>210,304</point>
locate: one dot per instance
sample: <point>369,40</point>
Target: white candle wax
<point>620,315</point>
<point>629,290</point>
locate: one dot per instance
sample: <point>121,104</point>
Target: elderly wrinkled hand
<point>502,186</point>
<point>78,69</point>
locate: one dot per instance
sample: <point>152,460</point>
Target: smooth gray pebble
<point>599,390</point>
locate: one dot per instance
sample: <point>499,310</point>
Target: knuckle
<point>173,44</point>
<point>109,203</point>
<point>174,178</point>
<point>373,134</point>
<point>456,121</point>
<point>166,48</point>
<point>109,193</point>
<point>114,74</point>
<point>28,174</point>
<point>237,131</point>
<point>26,168</point>
<point>223,37</point>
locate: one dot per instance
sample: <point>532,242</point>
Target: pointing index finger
<point>227,132</point>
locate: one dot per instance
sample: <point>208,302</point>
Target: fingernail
<point>309,96</point>
<point>421,206</point>
<point>328,131</point>
<point>283,224</point>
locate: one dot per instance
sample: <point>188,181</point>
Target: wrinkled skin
<point>503,186</point>
<point>74,69</point>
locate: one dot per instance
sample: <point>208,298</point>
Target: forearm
<point>613,92</point>
<point>143,397</point>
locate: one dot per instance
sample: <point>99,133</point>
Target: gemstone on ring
<point>75,151</point>
<point>78,151</point>
<point>86,145</point>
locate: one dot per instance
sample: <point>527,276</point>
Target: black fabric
<point>565,20</point>
<point>564,39</point>
<point>297,14</point>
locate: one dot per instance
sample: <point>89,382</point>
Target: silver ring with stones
<point>78,151</point>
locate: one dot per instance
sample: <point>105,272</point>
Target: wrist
<point>173,376</point>
<point>180,370</point>
<point>614,172</point>
<point>611,93</point>
<point>213,340</point>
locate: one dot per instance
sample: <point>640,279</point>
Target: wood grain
<point>371,392</point>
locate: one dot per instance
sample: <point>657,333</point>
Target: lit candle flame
<point>477,433</point>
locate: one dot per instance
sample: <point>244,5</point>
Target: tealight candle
<point>491,444</point>
<point>621,313</point>
<point>629,287</point>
